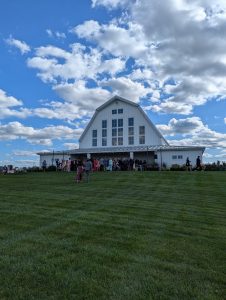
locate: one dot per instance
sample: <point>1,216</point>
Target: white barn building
<point>120,129</point>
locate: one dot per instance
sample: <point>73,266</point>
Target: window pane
<point>142,140</point>
<point>120,131</point>
<point>94,133</point>
<point>94,142</point>
<point>131,122</point>
<point>104,142</point>
<point>174,157</point>
<point>120,141</point>
<point>114,123</point>
<point>131,140</point>
<point>120,122</point>
<point>104,132</point>
<point>114,132</point>
<point>114,111</point>
<point>131,130</point>
<point>141,130</point>
<point>120,111</point>
<point>114,141</point>
<point>104,123</point>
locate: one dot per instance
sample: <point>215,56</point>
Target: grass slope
<point>125,235</point>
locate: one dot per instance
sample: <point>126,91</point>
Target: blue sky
<point>59,61</point>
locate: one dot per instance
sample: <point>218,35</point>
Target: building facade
<point>120,129</point>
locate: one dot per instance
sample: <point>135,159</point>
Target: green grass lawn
<point>124,235</point>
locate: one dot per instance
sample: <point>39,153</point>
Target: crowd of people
<point>102,164</point>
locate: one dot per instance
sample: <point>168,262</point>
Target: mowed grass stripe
<point>126,235</point>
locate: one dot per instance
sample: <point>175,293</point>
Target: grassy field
<point>125,235</point>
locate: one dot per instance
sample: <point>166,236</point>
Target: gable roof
<point>115,98</point>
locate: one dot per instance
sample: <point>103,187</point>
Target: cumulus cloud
<point>182,126</point>
<point>43,136</point>
<point>6,107</point>
<point>115,39</point>
<point>127,88</point>
<point>193,132</point>
<point>22,46</point>
<point>178,40</point>
<point>8,101</point>
<point>84,98</point>
<point>56,65</point>
<point>71,146</point>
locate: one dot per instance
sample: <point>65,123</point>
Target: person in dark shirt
<point>198,163</point>
<point>188,164</point>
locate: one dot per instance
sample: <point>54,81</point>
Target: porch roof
<point>116,149</point>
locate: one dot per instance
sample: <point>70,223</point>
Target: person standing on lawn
<point>79,172</point>
<point>88,168</point>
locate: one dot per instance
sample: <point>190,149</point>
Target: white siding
<point>167,157</point>
<point>129,111</point>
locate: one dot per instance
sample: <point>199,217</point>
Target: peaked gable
<point>128,102</point>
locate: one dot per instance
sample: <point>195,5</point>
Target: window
<point>142,139</point>
<point>131,122</point>
<point>104,123</point>
<point>114,111</point>
<point>131,140</point>
<point>180,157</point>
<point>141,135</point>
<point>117,132</point>
<point>120,111</point>
<point>104,142</point>
<point>120,141</point>
<point>174,157</point>
<point>120,122</point>
<point>104,132</point>
<point>95,133</point>
<point>131,131</point>
<point>141,130</point>
<point>114,141</point>
<point>120,131</point>
<point>114,123</point>
<point>114,131</point>
<point>94,136</point>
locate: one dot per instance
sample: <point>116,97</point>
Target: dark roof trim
<point>160,148</point>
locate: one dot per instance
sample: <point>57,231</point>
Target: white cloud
<point>86,99</point>
<point>110,3</point>
<point>182,126</point>
<point>57,34</point>
<point>80,63</point>
<point>8,101</point>
<point>179,40</point>
<point>126,88</point>
<point>22,46</point>
<point>71,146</point>
<point>24,153</point>
<point>43,136</point>
<point>194,132</point>
<point>114,39</point>
<point>6,104</point>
